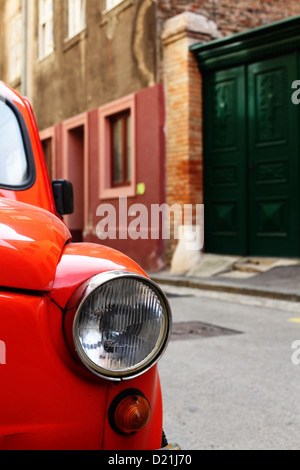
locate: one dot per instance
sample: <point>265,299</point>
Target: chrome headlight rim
<point>80,298</point>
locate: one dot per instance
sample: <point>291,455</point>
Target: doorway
<point>75,134</point>
<point>251,169</point>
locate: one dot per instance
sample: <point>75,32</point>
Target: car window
<point>13,162</point>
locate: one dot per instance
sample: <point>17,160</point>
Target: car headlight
<point>120,324</point>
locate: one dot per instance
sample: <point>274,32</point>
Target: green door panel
<point>251,170</point>
<point>224,163</point>
<point>272,152</point>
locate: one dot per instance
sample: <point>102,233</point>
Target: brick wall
<point>182,80</point>
<point>233,16</point>
<point>182,83</point>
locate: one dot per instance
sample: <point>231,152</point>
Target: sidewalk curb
<point>231,288</point>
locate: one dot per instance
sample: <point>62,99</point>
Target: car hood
<point>31,243</point>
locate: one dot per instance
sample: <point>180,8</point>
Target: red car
<point>81,325</point>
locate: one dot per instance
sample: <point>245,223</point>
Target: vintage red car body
<point>48,399</point>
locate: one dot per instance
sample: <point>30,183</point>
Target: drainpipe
<point>24,48</point>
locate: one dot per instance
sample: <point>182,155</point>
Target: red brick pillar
<point>182,81</point>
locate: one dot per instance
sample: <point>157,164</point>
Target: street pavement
<point>236,387</point>
<point>270,277</point>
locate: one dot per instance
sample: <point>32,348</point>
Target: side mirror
<point>63,196</point>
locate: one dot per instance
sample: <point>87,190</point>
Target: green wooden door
<point>251,172</point>
<point>225,163</point>
<point>272,153</point>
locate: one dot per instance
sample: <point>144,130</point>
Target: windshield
<point>13,162</point>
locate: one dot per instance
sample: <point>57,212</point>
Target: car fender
<point>81,261</point>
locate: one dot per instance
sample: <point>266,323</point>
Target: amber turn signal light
<point>129,412</point>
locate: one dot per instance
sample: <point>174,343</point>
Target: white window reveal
<point>15,47</point>
<point>45,28</point>
<point>76,17</point>
<point>112,3</point>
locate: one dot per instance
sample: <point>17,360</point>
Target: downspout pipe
<point>24,49</point>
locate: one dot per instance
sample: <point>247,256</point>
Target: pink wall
<point>150,152</point>
<point>149,169</point>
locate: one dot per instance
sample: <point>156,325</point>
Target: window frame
<point>107,190</point>
<point>45,21</point>
<point>126,180</point>
<point>72,32</point>
<point>27,149</point>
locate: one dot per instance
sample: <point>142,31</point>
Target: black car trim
<point>23,291</point>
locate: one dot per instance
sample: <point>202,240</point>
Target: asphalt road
<point>236,389</point>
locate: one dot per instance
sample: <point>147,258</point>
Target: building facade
<point>124,100</point>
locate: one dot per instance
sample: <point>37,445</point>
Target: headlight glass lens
<point>121,327</point>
